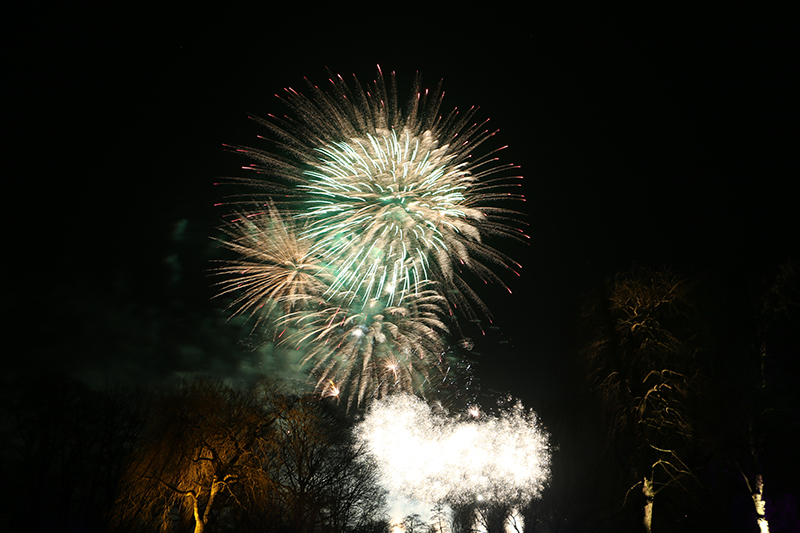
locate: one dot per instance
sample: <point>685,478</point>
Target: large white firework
<point>432,456</point>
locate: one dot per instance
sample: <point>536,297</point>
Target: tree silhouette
<point>320,480</point>
<point>414,523</point>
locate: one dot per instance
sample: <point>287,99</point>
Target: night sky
<point>652,138</point>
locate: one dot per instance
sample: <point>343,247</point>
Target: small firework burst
<point>274,269</point>
<point>374,350</point>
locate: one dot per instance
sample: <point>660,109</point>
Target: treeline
<point>682,416</point>
<point>196,455</point>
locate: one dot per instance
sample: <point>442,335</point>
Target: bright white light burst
<point>434,457</point>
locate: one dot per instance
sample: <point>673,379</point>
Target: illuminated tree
<point>200,455</point>
<point>766,418</point>
<point>253,459</point>
<point>642,355</point>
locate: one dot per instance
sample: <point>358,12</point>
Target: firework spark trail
<point>433,457</point>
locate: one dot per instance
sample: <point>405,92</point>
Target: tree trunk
<point>761,505</point>
<point>649,496</point>
<point>199,525</point>
<point>758,491</point>
<point>201,521</point>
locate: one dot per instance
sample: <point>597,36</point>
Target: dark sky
<point>657,138</point>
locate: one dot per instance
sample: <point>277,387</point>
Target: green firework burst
<point>371,206</point>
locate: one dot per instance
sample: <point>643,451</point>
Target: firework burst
<point>389,199</point>
<point>373,351</point>
<point>374,213</point>
<point>439,458</point>
<point>275,269</point>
